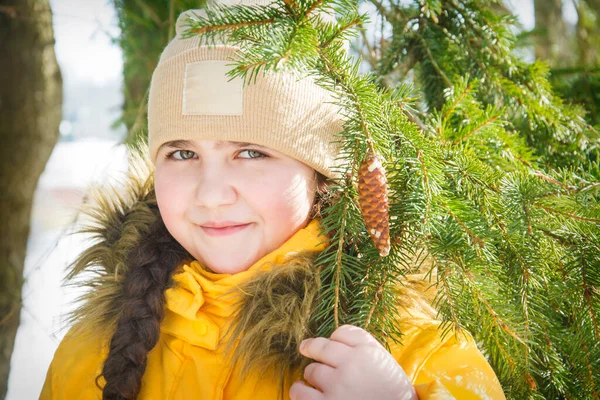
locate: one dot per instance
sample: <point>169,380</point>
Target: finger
<point>353,336</point>
<point>301,391</point>
<point>324,350</point>
<point>319,375</point>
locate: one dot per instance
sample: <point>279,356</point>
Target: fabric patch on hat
<point>208,91</point>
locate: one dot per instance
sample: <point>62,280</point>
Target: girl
<point>203,280</point>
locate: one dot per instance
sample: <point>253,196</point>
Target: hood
<point>274,308</point>
<point>116,218</point>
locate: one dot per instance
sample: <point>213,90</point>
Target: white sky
<point>83,46</point>
<point>524,10</point>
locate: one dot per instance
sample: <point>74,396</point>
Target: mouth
<point>225,231</point>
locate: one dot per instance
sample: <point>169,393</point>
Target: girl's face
<point>204,185</point>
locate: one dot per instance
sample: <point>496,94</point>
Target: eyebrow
<point>219,144</point>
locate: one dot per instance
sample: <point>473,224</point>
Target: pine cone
<point>373,200</point>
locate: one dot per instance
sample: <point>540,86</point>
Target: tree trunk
<point>30,113</point>
<point>551,43</point>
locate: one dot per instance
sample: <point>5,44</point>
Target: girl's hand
<point>351,364</point>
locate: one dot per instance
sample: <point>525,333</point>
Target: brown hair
<point>150,267</point>
<point>322,199</point>
<point>138,327</point>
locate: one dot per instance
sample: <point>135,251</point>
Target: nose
<point>214,188</point>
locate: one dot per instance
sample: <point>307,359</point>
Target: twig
<point>458,100</point>
<point>372,58</point>
<point>552,210</point>
<point>378,295</point>
<point>476,239</point>
<point>338,78</point>
<point>549,179</point>
<point>435,64</point>
<point>478,127</point>
<point>208,29</point>
<point>526,211</point>
<point>417,121</point>
<point>313,7</point>
<point>331,39</point>
<point>587,295</point>
<point>291,5</point>
<point>381,9</point>
<point>448,296</point>
<point>338,271</point>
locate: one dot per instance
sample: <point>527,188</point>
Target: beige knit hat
<point>191,98</point>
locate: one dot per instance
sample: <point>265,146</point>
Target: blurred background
<point>88,150</point>
<point>94,96</point>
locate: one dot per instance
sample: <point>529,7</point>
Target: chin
<point>229,266</point>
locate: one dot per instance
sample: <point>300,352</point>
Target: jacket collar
<point>197,306</point>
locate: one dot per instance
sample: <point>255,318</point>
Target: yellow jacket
<point>188,362</point>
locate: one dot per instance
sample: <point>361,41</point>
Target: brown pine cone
<point>373,200</point>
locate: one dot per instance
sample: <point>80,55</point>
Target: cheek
<point>170,197</point>
<point>286,198</point>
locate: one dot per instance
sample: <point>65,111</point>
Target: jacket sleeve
<point>48,383</point>
<point>73,370</point>
<point>445,368</point>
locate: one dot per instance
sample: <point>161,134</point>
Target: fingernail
<point>303,344</point>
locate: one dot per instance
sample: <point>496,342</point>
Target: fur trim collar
<point>117,219</point>
<point>272,314</point>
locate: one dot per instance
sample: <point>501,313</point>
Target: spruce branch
<point>313,7</point>
<point>445,301</point>
<point>506,235</point>
<point>527,218</point>
<point>377,298</point>
<point>553,181</point>
<point>339,33</point>
<point>216,28</point>
<point>474,238</point>
<point>342,79</point>
<point>449,108</point>
<point>338,268</point>
<point>291,6</point>
<point>505,327</point>
<point>417,121</point>
<point>590,370</point>
<point>570,215</point>
<point>475,129</point>
<point>589,292</point>
<point>434,63</point>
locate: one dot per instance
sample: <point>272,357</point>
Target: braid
<point>149,270</point>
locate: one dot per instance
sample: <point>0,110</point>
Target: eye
<point>253,154</point>
<point>181,154</point>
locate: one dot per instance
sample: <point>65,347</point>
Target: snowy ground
<point>71,168</point>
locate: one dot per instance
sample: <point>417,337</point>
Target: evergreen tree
<point>490,178</point>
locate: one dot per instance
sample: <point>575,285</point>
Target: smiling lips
<point>223,229</point>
